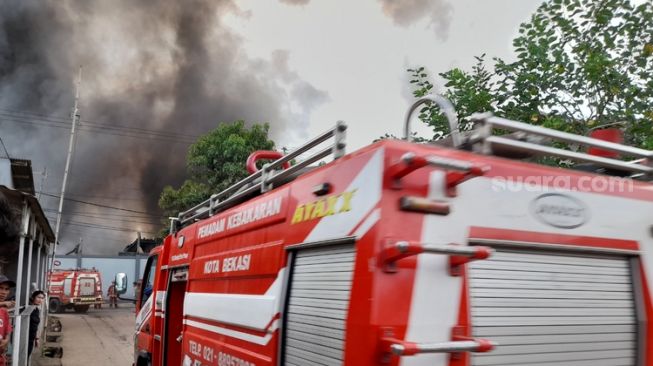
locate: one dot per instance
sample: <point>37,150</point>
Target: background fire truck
<point>74,288</point>
<point>412,254</point>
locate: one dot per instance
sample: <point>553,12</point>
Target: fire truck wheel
<point>55,306</point>
<point>82,308</point>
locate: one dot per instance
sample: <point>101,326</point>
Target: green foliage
<point>581,64</point>
<point>173,201</point>
<point>468,92</point>
<point>214,162</point>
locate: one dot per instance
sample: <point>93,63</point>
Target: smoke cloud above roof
<point>156,74</point>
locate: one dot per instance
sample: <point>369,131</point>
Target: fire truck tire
<point>81,308</point>
<point>55,306</point>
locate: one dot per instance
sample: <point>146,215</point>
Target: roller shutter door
<point>86,286</point>
<point>550,309</point>
<point>317,305</point>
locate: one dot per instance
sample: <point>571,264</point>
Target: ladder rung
<point>564,136</point>
<point>304,163</point>
<point>488,123</point>
<point>230,196</point>
<point>561,153</point>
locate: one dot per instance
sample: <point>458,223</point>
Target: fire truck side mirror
<point>121,283</point>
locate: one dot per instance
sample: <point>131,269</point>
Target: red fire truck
<point>412,254</point>
<point>74,288</point>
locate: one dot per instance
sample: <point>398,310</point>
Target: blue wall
<point>108,266</point>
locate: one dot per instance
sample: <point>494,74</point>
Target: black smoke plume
<point>9,225</point>
<point>156,74</point>
<point>406,12</point>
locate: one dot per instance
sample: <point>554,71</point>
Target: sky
<point>158,74</point>
<point>357,54</point>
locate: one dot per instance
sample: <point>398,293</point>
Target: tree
<point>581,65</point>
<point>215,162</point>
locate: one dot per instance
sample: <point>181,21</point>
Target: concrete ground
<point>101,337</point>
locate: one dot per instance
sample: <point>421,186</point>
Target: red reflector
<point>608,134</point>
<point>426,205</point>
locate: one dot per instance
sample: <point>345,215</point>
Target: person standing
<point>113,295</point>
<point>35,299</point>
<point>137,290</point>
<point>5,323</point>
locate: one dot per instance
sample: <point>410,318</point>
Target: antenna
<point>44,176</point>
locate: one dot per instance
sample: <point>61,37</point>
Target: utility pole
<point>71,143</point>
<point>79,253</point>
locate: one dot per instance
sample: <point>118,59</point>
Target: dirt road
<point>101,337</point>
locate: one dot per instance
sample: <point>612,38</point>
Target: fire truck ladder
<point>458,256</point>
<point>265,179</point>
<point>526,133</point>
<point>527,139</point>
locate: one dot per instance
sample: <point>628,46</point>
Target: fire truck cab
<point>411,254</point>
<point>74,288</point>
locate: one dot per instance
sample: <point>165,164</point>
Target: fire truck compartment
<point>317,305</point>
<point>554,308</point>
<point>87,286</point>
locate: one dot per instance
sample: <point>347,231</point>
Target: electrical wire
<point>114,219</point>
<point>5,148</point>
<point>94,204</point>
<point>66,121</point>
<point>102,227</point>
<point>94,127</point>
<point>111,228</point>
<point>83,129</point>
<point>109,215</point>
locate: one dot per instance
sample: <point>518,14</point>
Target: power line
<point>88,123</point>
<point>33,121</point>
<point>94,127</point>
<point>103,215</point>
<point>100,237</point>
<point>5,148</point>
<point>109,236</point>
<point>115,219</point>
<point>64,120</point>
<point>86,129</point>
<point>91,225</point>
<point>119,221</point>
<point>82,196</point>
<point>102,227</point>
<point>94,204</point>
<point>45,116</point>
